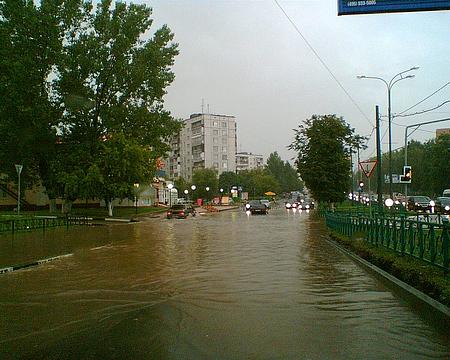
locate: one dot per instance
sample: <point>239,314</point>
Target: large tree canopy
<point>323,146</point>
<point>81,81</point>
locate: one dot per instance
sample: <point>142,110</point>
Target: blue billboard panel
<point>350,7</point>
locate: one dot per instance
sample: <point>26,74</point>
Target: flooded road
<point>217,286</point>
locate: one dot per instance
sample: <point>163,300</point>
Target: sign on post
<point>19,169</point>
<point>353,7</point>
<point>368,167</point>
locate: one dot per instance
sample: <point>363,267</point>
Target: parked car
<point>442,205</point>
<point>419,203</point>
<point>256,207</point>
<point>180,211</point>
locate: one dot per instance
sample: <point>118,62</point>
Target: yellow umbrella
<point>270,193</point>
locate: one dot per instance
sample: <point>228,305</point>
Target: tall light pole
<point>398,77</point>
<point>19,170</point>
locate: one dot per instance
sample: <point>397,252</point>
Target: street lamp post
<point>207,193</point>
<point>170,187</point>
<point>398,77</point>
<point>193,187</point>
<point>136,186</point>
<point>185,193</point>
<point>19,170</point>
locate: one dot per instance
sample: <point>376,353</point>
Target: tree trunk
<point>52,206</point>
<point>66,207</point>
<point>109,205</point>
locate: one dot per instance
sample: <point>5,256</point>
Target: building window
<point>216,132</point>
<point>215,165</point>
<point>224,165</point>
<point>224,157</point>
<point>215,149</point>
<point>224,124</point>
<point>224,149</point>
<point>224,133</point>
<point>224,141</point>
<point>216,156</point>
<point>215,140</point>
<point>215,124</point>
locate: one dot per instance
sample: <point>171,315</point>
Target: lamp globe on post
<point>186,192</point>
<point>207,192</point>
<point>193,187</point>
<point>136,187</point>
<point>170,187</point>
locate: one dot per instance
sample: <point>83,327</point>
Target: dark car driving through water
<point>180,211</point>
<point>256,207</point>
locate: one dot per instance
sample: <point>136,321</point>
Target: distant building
<point>248,161</point>
<point>206,141</point>
<point>440,132</point>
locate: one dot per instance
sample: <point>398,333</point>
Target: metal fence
<point>426,241</point>
<point>32,223</point>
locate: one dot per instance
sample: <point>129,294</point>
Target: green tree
<point>203,178</point>
<point>323,146</point>
<point>30,43</point>
<point>227,179</point>
<point>111,85</point>
<point>284,173</point>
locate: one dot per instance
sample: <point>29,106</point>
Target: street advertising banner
<point>354,7</point>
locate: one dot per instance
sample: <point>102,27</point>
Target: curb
<point>33,263</point>
<point>424,298</point>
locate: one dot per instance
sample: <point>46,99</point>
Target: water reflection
<point>222,285</point>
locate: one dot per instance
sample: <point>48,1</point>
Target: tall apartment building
<point>206,141</point>
<point>248,161</point>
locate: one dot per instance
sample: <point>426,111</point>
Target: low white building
<point>248,161</point>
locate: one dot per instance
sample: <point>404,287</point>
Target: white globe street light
<point>170,187</point>
<point>389,202</point>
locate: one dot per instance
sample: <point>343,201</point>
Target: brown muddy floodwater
<point>217,286</point>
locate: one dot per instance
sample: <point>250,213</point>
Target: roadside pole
<point>19,170</point>
<point>379,175</point>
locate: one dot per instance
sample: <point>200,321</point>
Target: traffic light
<point>407,174</point>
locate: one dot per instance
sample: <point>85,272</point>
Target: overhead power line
<point>426,98</point>
<point>424,111</point>
<point>322,62</point>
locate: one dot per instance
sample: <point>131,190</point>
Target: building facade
<point>205,141</point>
<point>248,161</point>
<point>440,132</point>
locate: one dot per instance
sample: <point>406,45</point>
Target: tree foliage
<point>286,176</point>
<point>323,146</point>
<point>82,86</point>
<point>429,162</point>
<point>203,178</point>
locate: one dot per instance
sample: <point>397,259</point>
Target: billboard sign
<point>350,7</point>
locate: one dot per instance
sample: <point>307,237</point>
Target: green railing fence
<point>32,223</point>
<point>427,241</point>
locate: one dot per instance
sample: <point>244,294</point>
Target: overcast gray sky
<point>246,59</point>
